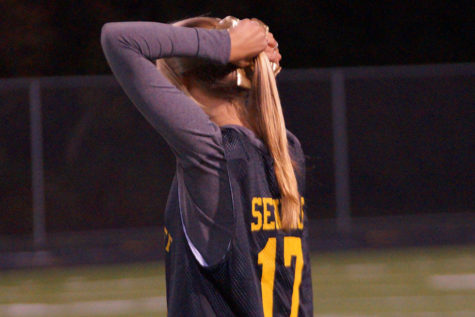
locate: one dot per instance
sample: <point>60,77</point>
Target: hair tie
<point>244,74</point>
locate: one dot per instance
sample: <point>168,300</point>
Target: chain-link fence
<point>76,155</point>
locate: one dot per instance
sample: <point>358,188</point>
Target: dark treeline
<point>44,38</point>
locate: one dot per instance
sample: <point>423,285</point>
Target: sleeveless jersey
<point>263,271</point>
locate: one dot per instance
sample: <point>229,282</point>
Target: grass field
<point>403,282</point>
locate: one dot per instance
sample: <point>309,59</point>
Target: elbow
<point>109,34</point>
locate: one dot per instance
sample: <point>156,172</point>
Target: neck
<point>224,114</point>
<point>221,111</point>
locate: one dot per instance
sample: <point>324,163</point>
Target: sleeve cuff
<point>214,45</point>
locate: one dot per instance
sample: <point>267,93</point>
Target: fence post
<point>340,152</point>
<point>37,175</point>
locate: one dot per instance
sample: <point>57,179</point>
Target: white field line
<point>453,282</point>
<point>89,308</point>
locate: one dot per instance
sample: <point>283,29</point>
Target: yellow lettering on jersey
<point>256,214</point>
<point>266,214</point>
<point>276,214</point>
<point>266,258</point>
<point>168,239</point>
<point>293,248</point>
<point>267,224</point>
<point>302,203</point>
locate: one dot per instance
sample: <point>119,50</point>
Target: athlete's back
<point>265,271</point>
<point>280,260</point>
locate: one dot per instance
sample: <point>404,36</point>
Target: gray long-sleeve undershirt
<point>131,49</point>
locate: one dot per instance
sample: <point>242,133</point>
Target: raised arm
<point>131,49</point>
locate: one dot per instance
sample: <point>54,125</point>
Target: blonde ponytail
<point>269,124</point>
<point>263,111</point>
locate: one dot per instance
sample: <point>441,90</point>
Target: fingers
<point>259,32</point>
<point>248,39</point>
<point>271,40</point>
<point>272,49</point>
<point>261,28</point>
<point>274,55</point>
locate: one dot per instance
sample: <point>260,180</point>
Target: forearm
<point>131,49</point>
<point>155,40</point>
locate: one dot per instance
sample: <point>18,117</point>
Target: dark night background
<point>44,38</point>
<point>410,139</point>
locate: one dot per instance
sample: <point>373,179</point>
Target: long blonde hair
<point>259,107</point>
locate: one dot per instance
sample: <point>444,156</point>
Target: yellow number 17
<point>266,258</point>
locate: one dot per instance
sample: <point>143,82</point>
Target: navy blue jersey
<point>263,271</point>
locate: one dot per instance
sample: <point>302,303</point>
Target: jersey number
<point>266,258</point>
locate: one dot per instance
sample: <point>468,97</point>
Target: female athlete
<point>235,226</point>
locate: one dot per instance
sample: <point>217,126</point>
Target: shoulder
<point>295,148</point>
<point>298,158</point>
<point>293,140</point>
<point>239,136</point>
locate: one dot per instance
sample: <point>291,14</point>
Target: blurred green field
<point>402,282</point>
